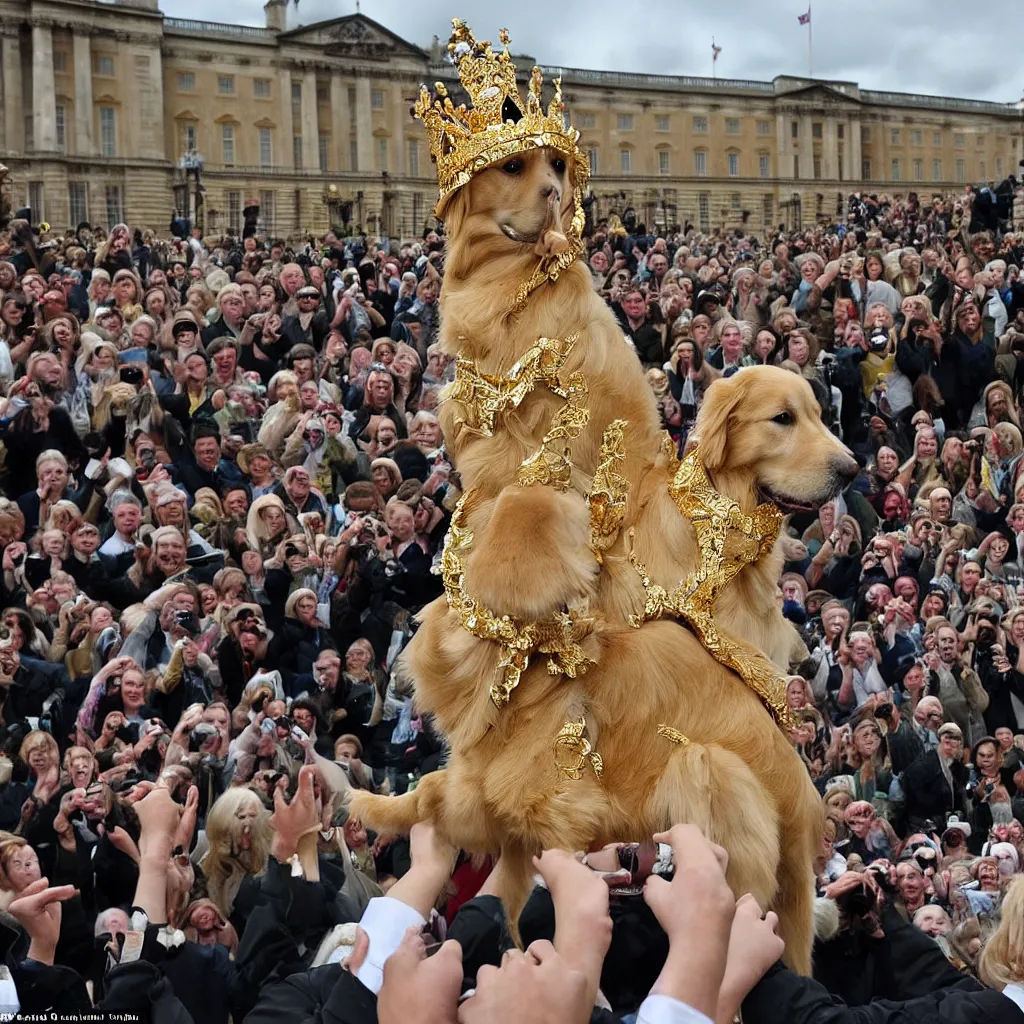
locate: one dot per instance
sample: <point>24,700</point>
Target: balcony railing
<point>204,28</point>
<point>629,80</point>
<point>681,83</point>
<point>908,99</point>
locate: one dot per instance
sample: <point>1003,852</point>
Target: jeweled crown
<point>465,140</point>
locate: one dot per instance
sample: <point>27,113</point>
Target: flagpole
<point>810,44</point>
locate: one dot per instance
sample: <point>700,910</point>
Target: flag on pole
<point>715,51</point>
<point>804,19</point>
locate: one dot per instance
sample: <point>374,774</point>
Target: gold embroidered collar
<point>713,517</point>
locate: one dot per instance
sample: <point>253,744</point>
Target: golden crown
<point>499,125</point>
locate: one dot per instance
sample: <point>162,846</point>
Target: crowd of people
<point>225,490</point>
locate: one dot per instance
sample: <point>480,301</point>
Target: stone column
<point>783,157</point>
<point>83,96</point>
<point>830,151</point>
<point>310,124</point>
<point>339,122</point>
<point>44,98</point>
<point>806,147</point>
<point>284,153</point>
<point>856,171</point>
<point>364,124</point>
<point>14,114</point>
<point>400,118</point>
<point>848,172</point>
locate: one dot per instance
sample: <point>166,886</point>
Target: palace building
<point>112,111</point>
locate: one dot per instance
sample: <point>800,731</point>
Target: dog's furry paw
<point>532,558</point>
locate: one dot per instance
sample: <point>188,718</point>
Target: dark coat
<point>782,997</point>
<point>928,794</point>
<point>24,445</point>
<point>319,328</point>
<point>293,651</point>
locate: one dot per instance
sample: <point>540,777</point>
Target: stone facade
<point>100,102</point>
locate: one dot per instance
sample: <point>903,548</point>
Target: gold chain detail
<point>609,491</point>
<point>673,735</point>
<point>485,395</point>
<point>558,636</point>
<point>713,516</point>
<point>571,742</point>
<point>551,266</point>
<point>551,463</point>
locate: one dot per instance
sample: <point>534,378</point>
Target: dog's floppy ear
<point>711,428</point>
<point>455,210</point>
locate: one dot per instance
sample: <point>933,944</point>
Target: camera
<point>187,621</point>
<point>201,734</point>
<point>52,712</point>
<point>879,339</point>
<point>857,904</point>
<point>147,460</point>
<point>884,711</point>
<point>94,443</point>
<point>130,375</point>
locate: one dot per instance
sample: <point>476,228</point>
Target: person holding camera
<point>33,422</point>
<point>934,784</point>
<point>297,645</point>
<point>988,792</point>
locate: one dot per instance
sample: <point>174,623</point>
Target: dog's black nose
<point>846,467</point>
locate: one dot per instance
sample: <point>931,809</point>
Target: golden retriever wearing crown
<point>723,763</point>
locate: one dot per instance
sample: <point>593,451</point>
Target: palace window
<point>700,163</point>
<point>186,81</point>
<point>115,207</point>
<point>77,208</point>
<point>625,122</point>
<point>227,144</point>
<point>261,88</point>
<point>266,149</point>
<point>108,132</point>
<point>226,85</point>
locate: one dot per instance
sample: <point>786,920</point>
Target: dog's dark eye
<point>512,166</point>
<point>559,165</point>
<point>784,419</point>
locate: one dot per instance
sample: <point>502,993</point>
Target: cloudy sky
<point>927,46</point>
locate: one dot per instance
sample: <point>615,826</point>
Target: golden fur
<point>738,779</point>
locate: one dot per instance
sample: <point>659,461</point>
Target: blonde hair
<point>9,845</point>
<point>1002,959</point>
<point>221,824</point>
<point>35,739</point>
